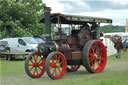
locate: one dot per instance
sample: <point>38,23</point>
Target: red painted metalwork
<point>35,66</point>
<point>73,68</point>
<point>97,56</point>
<point>56,65</point>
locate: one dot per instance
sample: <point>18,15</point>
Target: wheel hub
<point>35,65</point>
<point>56,65</point>
<point>96,55</point>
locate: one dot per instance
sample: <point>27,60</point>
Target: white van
<point>23,44</point>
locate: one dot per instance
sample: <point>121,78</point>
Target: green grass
<point>113,58</point>
<point>14,67</point>
<point>115,73</point>
<point>115,79</point>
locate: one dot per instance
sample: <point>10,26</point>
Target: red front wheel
<point>55,65</point>
<point>94,56</point>
<point>35,65</point>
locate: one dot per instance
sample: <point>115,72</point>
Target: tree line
<point>111,28</point>
<point>21,18</point>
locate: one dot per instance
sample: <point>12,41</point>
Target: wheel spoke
<point>31,61</point>
<point>91,58</point>
<point>101,49</point>
<point>91,54</point>
<point>39,61</point>
<point>34,71</point>
<point>55,72</point>
<point>93,61</point>
<point>56,58</point>
<point>61,62</point>
<point>31,69</point>
<point>95,47</point>
<point>100,58</point>
<point>59,69</point>
<point>99,54</point>
<point>40,64</point>
<point>93,50</point>
<point>96,51</point>
<point>40,68</point>
<point>34,58</point>
<point>52,59</point>
<point>30,64</point>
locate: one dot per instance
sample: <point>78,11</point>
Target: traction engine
<point>67,52</point>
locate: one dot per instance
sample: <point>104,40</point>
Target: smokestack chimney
<point>47,21</point>
<point>126,28</point>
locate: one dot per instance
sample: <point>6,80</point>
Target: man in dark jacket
<point>118,46</point>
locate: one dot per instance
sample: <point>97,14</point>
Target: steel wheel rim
<point>97,56</point>
<point>57,65</point>
<point>36,65</point>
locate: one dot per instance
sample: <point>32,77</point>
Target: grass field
<point>115,73</point>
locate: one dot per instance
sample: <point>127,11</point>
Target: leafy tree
<point>21,18</point>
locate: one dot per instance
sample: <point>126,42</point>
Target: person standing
<point>118,46</point>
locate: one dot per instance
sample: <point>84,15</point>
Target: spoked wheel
<point>94,56</point>
<point>73,68</point>
<point>55,65</point>
<point>35,65</point>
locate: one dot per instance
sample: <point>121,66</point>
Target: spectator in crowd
<point>118,46</point>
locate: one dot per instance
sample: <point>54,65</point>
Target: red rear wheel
<point>55,65</point>
<point>94,56</point>
<point>73,68</point>
<point>35,65</point>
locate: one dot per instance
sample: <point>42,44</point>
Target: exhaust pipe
<point>47,14</point>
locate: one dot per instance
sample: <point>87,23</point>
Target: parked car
<point>23,44</point>
<point>39,40</point>
<point>125,43</point>
<point>4,47</point>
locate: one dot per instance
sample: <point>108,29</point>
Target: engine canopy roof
<point>73,19</point>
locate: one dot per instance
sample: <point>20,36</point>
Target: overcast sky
<point>117,10</point>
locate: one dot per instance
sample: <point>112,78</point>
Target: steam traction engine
<point>81,46</point>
